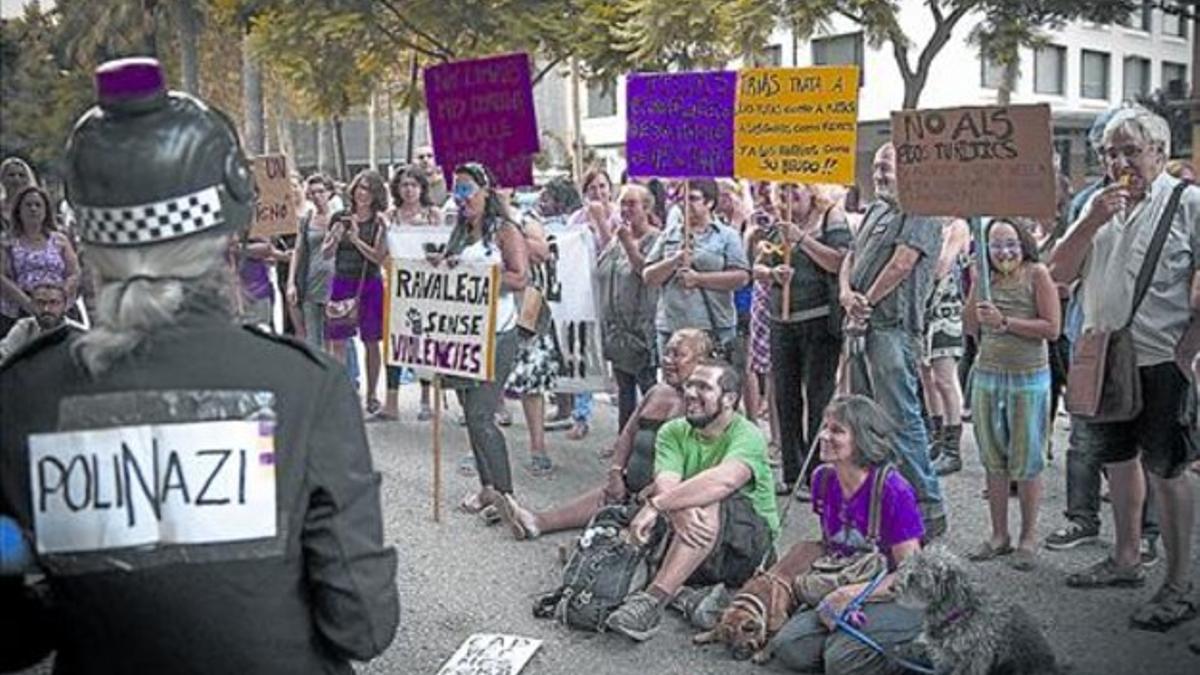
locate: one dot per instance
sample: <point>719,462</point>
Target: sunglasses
<point>464,191</point>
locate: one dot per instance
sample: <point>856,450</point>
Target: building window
<point>1137,78</point>
<point>1093,82</point>
<point>1173,24</point>
<point>1139,19</point>
<point>992,73</point>
<point>1174,80</point>
<point>601,98</point>
<point>1049,70</point>
<point>840,50</point>
<point>772,56</point>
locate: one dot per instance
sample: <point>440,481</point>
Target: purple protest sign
<point>680,125</point>
<point>482,111</point>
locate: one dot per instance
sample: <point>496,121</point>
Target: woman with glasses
<point>698,264</point>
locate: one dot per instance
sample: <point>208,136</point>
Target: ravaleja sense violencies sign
<point>443,319</point>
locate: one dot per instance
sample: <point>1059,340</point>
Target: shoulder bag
<point>345,312</point>
<point>1103,383</point>
<point>830,572</point>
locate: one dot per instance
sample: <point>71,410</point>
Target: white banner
<point>441,319</point>
<point>194,483</point>
<point>490,654</point>
<point>568,279</point>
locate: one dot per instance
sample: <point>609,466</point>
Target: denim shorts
<point>1157,432</point>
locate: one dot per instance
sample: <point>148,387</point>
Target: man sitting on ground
<point>713,484</point>
<point>632,468</point>
<point>50,303</point>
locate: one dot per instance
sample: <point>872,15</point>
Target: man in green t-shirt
<point>714,485</point>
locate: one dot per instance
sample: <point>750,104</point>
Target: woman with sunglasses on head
<point>487,233</point>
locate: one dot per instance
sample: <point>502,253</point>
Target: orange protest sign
<point>798,125</point>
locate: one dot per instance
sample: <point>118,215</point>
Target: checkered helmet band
<point>150,223</point>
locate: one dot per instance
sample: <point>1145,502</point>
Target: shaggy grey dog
<point>966,631</point>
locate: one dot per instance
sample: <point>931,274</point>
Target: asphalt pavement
<point>459,577</point>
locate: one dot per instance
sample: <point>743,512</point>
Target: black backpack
<point>602,570</point>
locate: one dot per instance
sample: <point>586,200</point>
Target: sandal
<point>490,515</point>
<point>507,506</point>
<point>986,551</point>
<point>1023,560</point>
<point>539,466</point>
<point>504,418</point>
<point>466,467</point>
<point>1169,607</point>
<point>1106,573</point>
<point>472,503</point>
<point>374,407</point>
<point>425,414</point>
<point>578,431</point>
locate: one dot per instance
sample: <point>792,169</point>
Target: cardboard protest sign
<point>986,160</point>
<point>190,483</point>
<point>442,319</point>
<point>275,210</point>
<point>482,111</point>
<point>680,125</point>
<point>797,125</point>
<point>490,653</point>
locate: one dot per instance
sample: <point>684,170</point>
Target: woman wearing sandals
<point>486,232</point>
<point>1010,398</point>
<point>535,369</point>
<point>362,248</point>
<point>413,207</point>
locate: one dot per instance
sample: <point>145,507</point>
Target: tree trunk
<point>339,142</point>
<point>372,154</point>
<point>283,126</point>
<point>252,99</point>
<point>187,21</point>
<point>411,132</point>
<point>325,159</point>
<point>1008,83</point>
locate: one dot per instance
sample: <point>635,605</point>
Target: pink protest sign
<point>482,111</point>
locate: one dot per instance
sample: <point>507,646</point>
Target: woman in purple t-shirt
<point>854,447</point>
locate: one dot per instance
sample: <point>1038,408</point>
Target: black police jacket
<point>319,592</point>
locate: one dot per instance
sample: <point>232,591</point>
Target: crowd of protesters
<point>745,309</point>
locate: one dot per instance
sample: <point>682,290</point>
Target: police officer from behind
<point>198,496</point>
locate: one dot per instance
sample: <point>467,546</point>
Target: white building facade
<point>1083,69</point>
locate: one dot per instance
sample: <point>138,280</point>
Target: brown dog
<point>762,606</point>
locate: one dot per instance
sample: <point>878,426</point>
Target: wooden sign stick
<point>687,221</point>
<point>981,252</point>
<point>786,310</point>
<point>437,448</point>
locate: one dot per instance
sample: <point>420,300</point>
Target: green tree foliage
<point>40,95</point>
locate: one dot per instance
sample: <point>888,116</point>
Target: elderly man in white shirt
<point>1105,249</point>
<point>51,304</point>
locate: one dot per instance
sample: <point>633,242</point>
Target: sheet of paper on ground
<point>975,161</point>
<point>491,654</point>
<point>797,124</point>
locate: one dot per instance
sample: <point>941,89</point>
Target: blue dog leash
<point>843,622</point>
